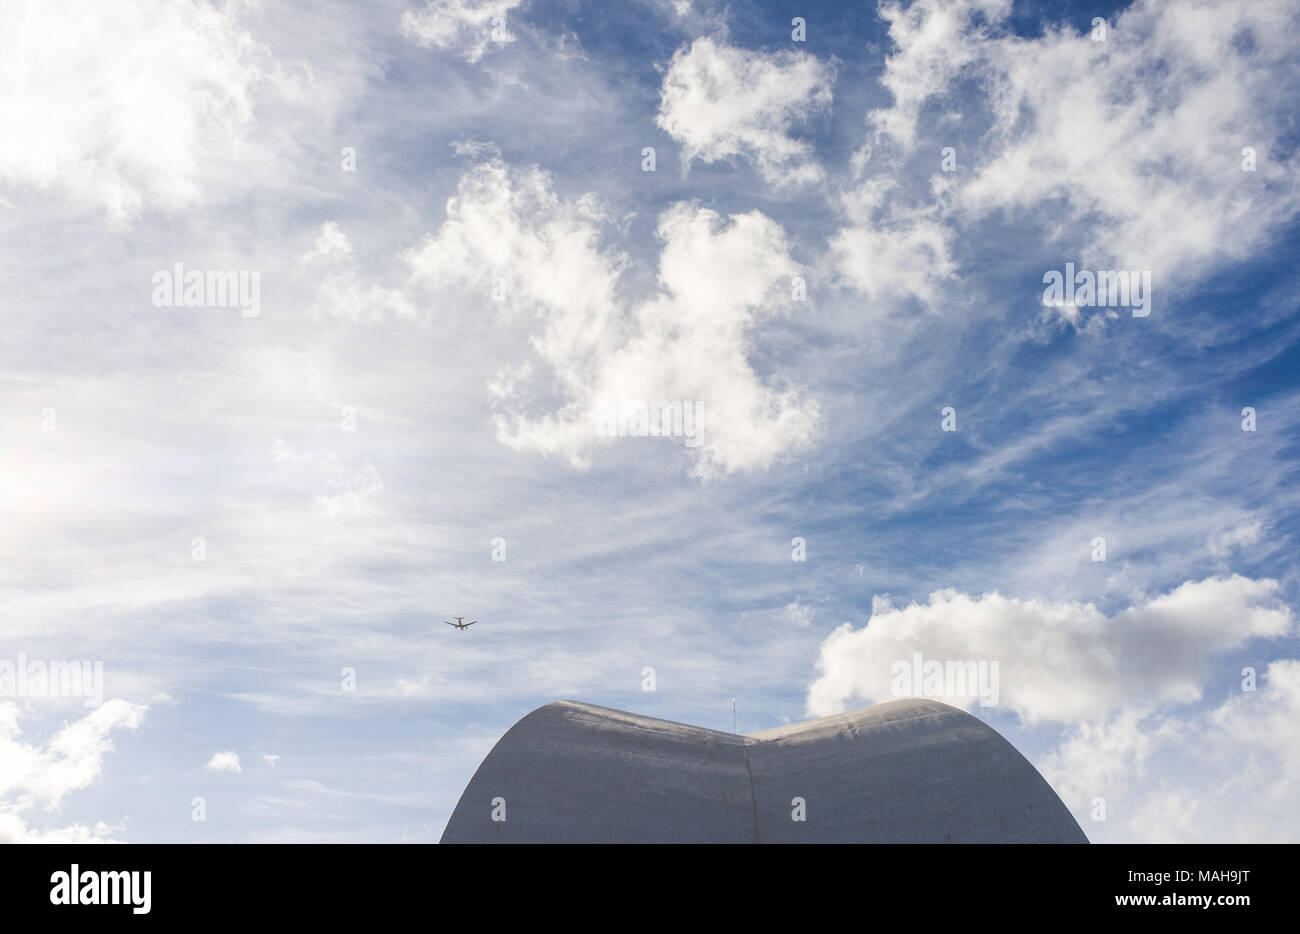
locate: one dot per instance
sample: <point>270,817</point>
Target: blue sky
<point>499,267</point>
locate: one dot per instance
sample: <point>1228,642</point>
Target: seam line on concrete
<point>753,799</point>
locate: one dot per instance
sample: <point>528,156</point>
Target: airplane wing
<point>452,625</point>
<point>467,625</point>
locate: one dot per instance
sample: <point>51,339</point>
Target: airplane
<point>460,623</point>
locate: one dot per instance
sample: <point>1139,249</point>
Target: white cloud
<point>890,250</point>
<point>1059,661</point>
<point>721,102</point>
<point>935,40</point>
<point>330,244</point>
<point>797,614</point>
<point>1227,774</point>
<point>272,759</point>
<point>507,232</point>
<point>342,290</point>
<point>1169,816</point>
<point>13,829</point>
<point>1142,173</point>
<point>1266,720</point>
<point>71,760</point>
<point>118,103</point>
<point>1128,693</point>
<point>1240,536</point>
<point>467,26</point>
<point>1100,759</point>
<point>224,762</point>
<point>339,489</point>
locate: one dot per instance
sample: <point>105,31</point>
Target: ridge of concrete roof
<point>909,770</point>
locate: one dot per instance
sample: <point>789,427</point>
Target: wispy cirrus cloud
<point>467,27</point>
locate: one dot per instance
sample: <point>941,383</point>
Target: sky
<point>469,232</point>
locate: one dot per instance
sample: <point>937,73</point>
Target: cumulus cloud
<point>1169,816</point>
<point>1245,758</point>
<point>227,761</point>
<point>117,103</point>
<point>71,760</point>
<point>889,249</point>
<point>508,234</point>
<point>722,102</point>
<point>1103,758</point>
<point>13,829</point>
<point>1058,661</point>
<point>1267,720</point>
<point>1128,692</point>
<point>934,41</point>
<point>894,259</point>
<point>466,26</point>
<point>1244,755</point>
<point>1146,173</point>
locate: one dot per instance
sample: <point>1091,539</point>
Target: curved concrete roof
<point>906,771</point>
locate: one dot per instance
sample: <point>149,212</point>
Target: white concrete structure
<point>907,771</point>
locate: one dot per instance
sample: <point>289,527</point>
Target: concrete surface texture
<point>906,771</point>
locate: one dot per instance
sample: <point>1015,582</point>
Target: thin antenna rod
<point>733,715</point>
